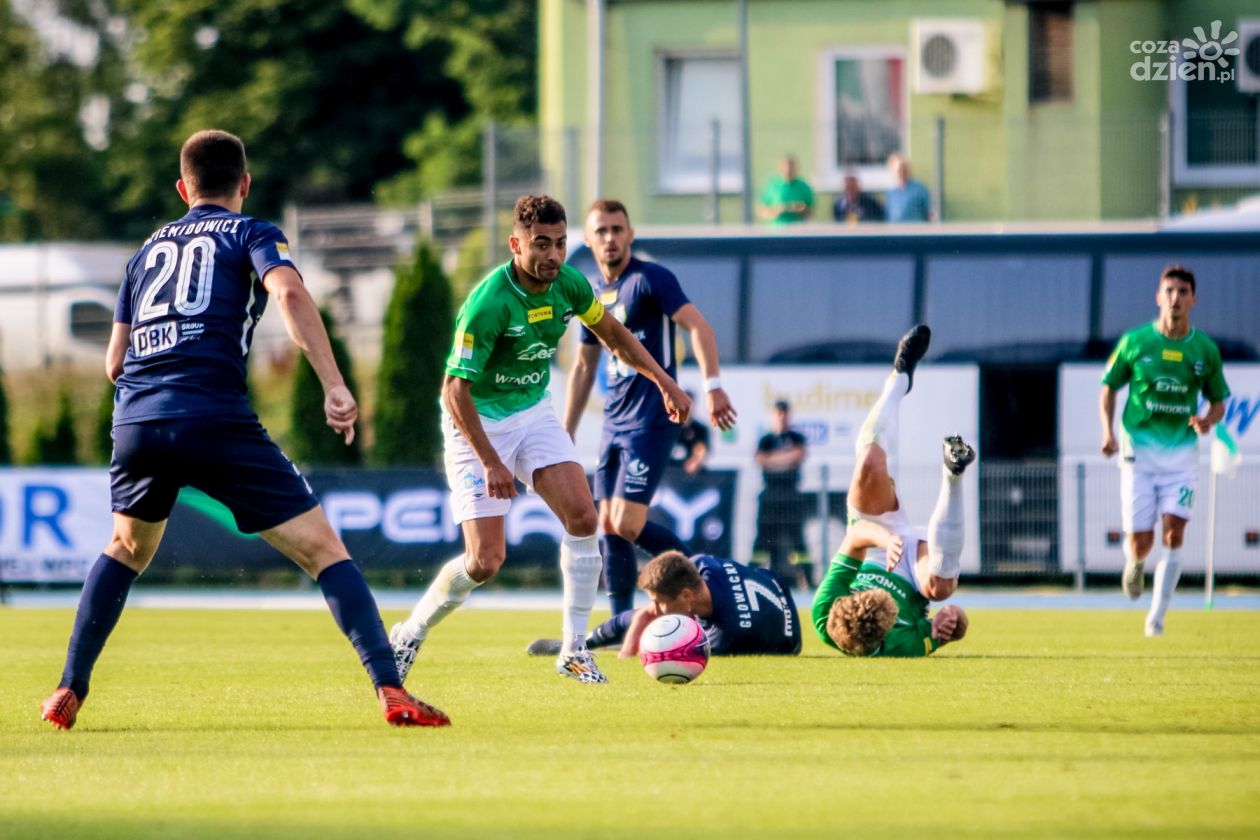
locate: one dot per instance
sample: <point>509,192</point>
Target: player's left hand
<point>1200,425</point>
<point>677,403</point>
<point>341,411</point>
<point>721,412</point>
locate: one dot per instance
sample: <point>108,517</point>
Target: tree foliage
<point>55,442</point>
<point>418,327</point>
<point>312,442</point>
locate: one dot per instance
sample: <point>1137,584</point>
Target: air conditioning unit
<point>1247,69</point>
<point>949,56</point>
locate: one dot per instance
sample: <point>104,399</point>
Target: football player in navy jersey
<point>185,318</point>
<point>637,436</point>
<point>743,609</point>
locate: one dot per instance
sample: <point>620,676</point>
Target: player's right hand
<point>500,483</point>
<point>677,403</point>
<point>1109,445</point>
<point>341,411</point>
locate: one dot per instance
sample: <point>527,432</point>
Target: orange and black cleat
<point>60,709</point>
<point>401,709</point>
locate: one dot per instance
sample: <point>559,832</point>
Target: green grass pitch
<point>262,724</point>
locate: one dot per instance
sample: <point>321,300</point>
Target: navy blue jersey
<point>192,297</point>
<point>752,612</point>
<point>644,298</point>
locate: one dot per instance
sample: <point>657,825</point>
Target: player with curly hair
<point>869,608</point>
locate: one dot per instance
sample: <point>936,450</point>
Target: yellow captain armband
<point>592,315</point>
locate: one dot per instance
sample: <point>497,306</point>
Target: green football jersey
<point>505,337</point>
<point>1165,377</point>
<point>910,636</point>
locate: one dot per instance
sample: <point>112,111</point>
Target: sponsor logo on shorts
<point>542,313</point>
<point>636,473</point>
<point>474,484</point>
<point>537,351</point>
<point>155,338</point>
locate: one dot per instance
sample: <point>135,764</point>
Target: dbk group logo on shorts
<point>1205,57</point>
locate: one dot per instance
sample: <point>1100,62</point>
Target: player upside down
<point>871,608</point>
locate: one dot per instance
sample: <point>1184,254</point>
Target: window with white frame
<point>1216,130</point>
<point>862,114</point>
<point>699,114</point>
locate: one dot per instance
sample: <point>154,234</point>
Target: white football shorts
<point>526,441</point>
<point>1145,496</point>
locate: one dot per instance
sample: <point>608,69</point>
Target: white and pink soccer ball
<point>674,649</point>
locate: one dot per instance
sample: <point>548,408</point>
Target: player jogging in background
<point>1166,365</point>
<point>742,609</point>
<point>185,318</point>
<point>879,606</point>
<point>499,426</point>
<point>638,436</point>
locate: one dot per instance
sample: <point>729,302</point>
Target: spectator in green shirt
<point>787,198</point>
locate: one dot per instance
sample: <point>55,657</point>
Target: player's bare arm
<point>781,459</point>
<point>458,399</point>
<point>704,345</point>
<point>865,534</point>
<point>643,616</point>
<point>306,328</point>
<point>1107,413</point>
<point>627,348</point>
<point>1203,425</point>
<point>581,379</point>
<point>116,353</point>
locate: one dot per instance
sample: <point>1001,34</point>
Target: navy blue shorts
<point>233,461</point>
<point>631,464</point>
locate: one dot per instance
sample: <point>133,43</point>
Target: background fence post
<point>1080,526</point>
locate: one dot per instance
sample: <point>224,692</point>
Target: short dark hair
<point>608,205</point>
<point>782,405</point>
<point>537,210</point>
<point>1179,272</point>
<point>212,163</point>
<point>669,574</point>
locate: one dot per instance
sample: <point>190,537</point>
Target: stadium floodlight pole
<point>745,122</point>
<point>595,97</point>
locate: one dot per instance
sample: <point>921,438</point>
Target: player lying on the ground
<point>876,608</point>
<point>742,609</point>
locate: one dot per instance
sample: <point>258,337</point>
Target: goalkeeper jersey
<point>1165,377</point>
<point>910,636</point>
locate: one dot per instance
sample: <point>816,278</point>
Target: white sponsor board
<point>829,404</point>
<point>53,523</point>
<point>1089,485</point>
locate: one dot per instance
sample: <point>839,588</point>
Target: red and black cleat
<point>60,709</point>
<point>401,709</point>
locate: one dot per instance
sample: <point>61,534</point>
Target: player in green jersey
<point>499,426</point>
<point>879,607</point>
<point>1166,365</point>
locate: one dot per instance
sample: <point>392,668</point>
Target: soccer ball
<point>674,649</point>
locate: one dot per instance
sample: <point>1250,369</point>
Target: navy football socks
<point>101,603</point>
<point>656,539</point>
<point>354,610</point>
<point>621,571</point>
<point>612,631</point>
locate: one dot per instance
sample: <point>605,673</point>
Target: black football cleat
<point>911,350</point>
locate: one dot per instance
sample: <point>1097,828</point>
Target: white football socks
<point>880,426</point>
<point>580,565</point>
<point>945,528</point>
<point>449,589</point>
<point>1167,572</point>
